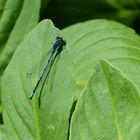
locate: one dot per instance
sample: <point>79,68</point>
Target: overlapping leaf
<point>109,108</point>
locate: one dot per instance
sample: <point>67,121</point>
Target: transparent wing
<point>46,79</point>
<point>34,68</point>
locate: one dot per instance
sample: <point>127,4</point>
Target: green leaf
<point>91,41</point>
<point>119,4</point>
<point>109,108</point>
<point>2,133</point>
<point>23,119</point>
<point>130,66</point>
<point>2,3</point>
<point>17,18</point>
<point>8,18</point>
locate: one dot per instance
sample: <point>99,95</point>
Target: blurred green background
<point>64,13</point>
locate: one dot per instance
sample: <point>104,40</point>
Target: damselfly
<point>56,49</point>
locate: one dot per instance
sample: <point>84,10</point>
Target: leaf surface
<point>91,41</point>
<point>23,119</point>
<point>17,18</point>
<point>108,109</point>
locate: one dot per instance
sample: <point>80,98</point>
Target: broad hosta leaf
<point>109,108</point>
<point>8,18</point>
<point>15,23</point>
<point>2,133</point>
<point>17,19</point>
<point>130,67</point>
<point>93,40</point>
<point>23,119</point>
<point>2,3</point>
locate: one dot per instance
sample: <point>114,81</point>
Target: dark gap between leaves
<point>71,113</point>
